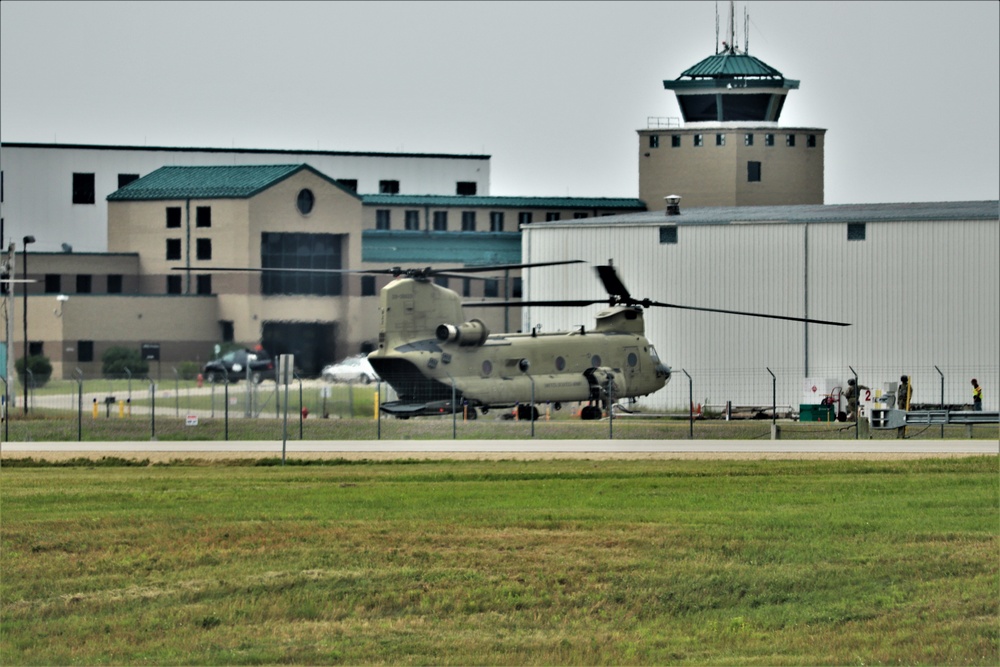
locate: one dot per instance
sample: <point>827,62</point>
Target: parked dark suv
<point>233,366</point>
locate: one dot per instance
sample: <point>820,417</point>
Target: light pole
<point>24,378</point>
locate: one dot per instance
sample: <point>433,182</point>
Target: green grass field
<point>541,562</point>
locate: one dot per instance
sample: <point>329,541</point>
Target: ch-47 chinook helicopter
<point>439,362</point>
<point>429,353</point>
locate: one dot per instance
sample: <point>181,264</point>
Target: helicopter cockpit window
<point>560,364</point>
<point>487,368</point>
<point>595,361</point>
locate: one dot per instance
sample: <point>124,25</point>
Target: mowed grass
<point>509,562</point>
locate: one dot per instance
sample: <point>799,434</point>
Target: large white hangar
<point>919,283</point>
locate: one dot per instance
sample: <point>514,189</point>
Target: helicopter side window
<point>560,364</point>
<point>595,361</point>
<point>487,368</point>
<point>633,359</point>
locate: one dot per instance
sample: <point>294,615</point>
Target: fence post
<point>942,397</point>
<point>690,406</point>
<point>79,404</point>
<point>225,406</point>
<point>152,411</point>
<point>774,405</point>
<point>302,407</point>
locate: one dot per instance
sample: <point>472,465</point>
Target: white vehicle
<point>351,369</point>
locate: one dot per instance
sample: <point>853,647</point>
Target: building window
<point>83,283</point>
<point>203,216</point>
<point>228,331</point>
<point>441,281</point>
<point>382,219</point>
<point>173,217</point>
<point>115,283</point>
<point>668,234</point>
<point>440,221</point>
<point>173,248</point>
<point>753,172</point>
<point>524,218</point>
<point>83,188</point>
<point>53,283</point>
<point>349,183</point>
<point>790,140</point>
<point>413,220</point>
<point>768,139</point>
<point>367,285</point>
<point>699,139</point>
<point>466,287</point>
<point>748,139</point>
<point>856,231</point>
<point>305,201</point>
<point>491,287</point>
<point>465,188</point>
<point>468,221</point>
<point>496,221</point>
<point>125,179</point>
<point>720,140</point>
<point>579,215</point>
<point>84,350</point>
<point>517,289</point>
<point>203,283</point>
<point>174,284</point>
<point>552,216</point>
<point>203,248</point>
<point>811,141</point>
<point>654,141</point>
<point>675,141</point>
<point>388,187</point>
<point>301,251</point>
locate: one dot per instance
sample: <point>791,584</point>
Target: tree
<point>116,359</point>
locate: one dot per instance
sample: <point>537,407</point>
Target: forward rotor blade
<point>500,304</point>
<point>745,313</point>
<point>235,269</point>
<point>504,267</point>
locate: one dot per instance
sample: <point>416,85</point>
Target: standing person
<point>852,399</point>
<point>904,394</point>
<point>977,396</point>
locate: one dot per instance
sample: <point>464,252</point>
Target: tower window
<point>83,188</point>
<point>349,183</point>
<point>856,231</point>
<point>753,171</point>
<point>748,139</point>
<point>699,140</point>
<point>720,140</point>
<point>388,187</point>
<point>790,140</point>
<point>125,179</point>
<point>811,141</point>
<point>467,188</point>
<point>675,141</point>
<point>654,141</point>
<point>768,139</point>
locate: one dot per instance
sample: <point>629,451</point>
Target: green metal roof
<point>722,68</point>
<point>214,182</point>
<point>443,201</point>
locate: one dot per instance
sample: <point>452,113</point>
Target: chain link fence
<point>708,404</point>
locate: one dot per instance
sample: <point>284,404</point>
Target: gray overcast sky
<point>554,91</point>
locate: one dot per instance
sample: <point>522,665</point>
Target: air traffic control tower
<point>728,148</point>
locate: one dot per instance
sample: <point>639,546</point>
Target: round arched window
<point>305,201</point>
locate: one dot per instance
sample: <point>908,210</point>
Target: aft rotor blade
<point>504,267</point>
<point>236,269</point>
<point>612,283</point>
<point>745,313</point>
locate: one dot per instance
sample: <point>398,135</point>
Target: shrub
<point>188,370</point>
<point>40,367</point>
<point>116,359</point>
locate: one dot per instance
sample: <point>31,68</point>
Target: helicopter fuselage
<point>435,360</point>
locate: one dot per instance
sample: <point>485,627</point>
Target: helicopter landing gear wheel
<point>527,413</point>
<point>590,412</point>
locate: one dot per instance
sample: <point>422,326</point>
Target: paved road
<point>492,449</point>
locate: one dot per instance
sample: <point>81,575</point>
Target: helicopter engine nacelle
<point>467,334</point>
